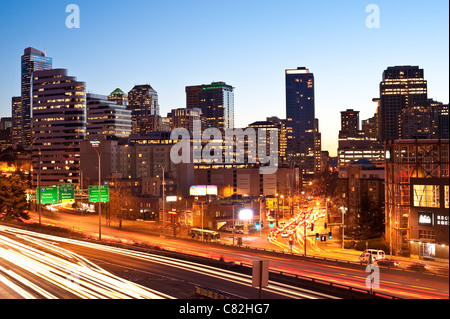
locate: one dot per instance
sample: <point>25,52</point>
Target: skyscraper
<point>143,103</point>
<point>106,118</point>
<point>119,97</point>
<point>300,117</point>
<point>32,60</point>
<point>216,101</point>
<point>402,87</point>
<point>59,126</point>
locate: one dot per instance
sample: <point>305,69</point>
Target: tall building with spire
<point>32,60</point>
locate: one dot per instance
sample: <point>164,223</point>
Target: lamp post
<point>163,167</point>
<point>39,188</point>
<point>95,144</point>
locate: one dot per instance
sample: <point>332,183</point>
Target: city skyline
<point>247,45</point>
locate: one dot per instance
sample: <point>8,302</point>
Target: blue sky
<point>248,44</point>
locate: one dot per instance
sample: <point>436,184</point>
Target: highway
<point>393,282</point>
<point>39,266</point>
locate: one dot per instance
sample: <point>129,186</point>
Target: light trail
<point>222,274</point>
<point>62,269</point>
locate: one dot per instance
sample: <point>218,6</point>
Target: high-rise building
<point>16,125</point>
<point>216,101</point>
<point>402,87</point>
<point>317,147</point>
<point>184,118</point>
<point>355,144</point>
<point>143,103</point>
<point>300,115</point>
<point>106,117</point>
<point>59,125</point>
<point>119,97</point>
<point>32,60</point>
<point>350,122</point>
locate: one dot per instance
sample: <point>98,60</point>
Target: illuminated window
<point>446,196</point>
<point>426,195</point>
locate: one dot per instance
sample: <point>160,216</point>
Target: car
<point>418,266</point>
<point>389,262</point>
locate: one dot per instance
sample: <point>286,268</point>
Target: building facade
<point>417,197</point>
<point>143,103</point>
<point>402,87</point>
<point>216,102</point>
<point>106,117</point>
<point>300,119</point>
<point>32,60</point>
<point>119,97</point>
<point>59,126</point>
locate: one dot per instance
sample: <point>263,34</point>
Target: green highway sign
<point>66,193</point>
<point>93,193</point>
<point>49,195</point>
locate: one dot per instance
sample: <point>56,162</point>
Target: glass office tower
<point>402,87</point>
<point>215,100</point>
<point>300,116</point>
<point>32,60</point>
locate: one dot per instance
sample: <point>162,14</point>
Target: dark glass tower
<point>143,103</point>
<point>32,60</point>
<point>216,101</point>
<point>402,87</point>
<point>300,118</point>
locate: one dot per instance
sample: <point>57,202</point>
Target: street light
<point>163,167</point>
<point>95,144</point>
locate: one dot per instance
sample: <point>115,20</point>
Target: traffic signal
<point>271,225</point>
<point>317,236</point>
<point>257,226</point>
<point>329,235</point>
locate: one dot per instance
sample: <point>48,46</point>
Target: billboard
<point>203,190</point>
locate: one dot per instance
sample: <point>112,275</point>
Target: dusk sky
<point>248,44</point>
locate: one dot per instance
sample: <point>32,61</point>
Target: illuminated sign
<point>171,198</point>
<point>198,190</point>
<point>95,143</point>
<point>211,190</point>
<point>442,220</point>
<point>426,219</point>
<point>203,190</point>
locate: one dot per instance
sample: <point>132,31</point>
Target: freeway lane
<point>89,270</point>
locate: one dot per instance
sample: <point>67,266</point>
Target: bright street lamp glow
<point>245,214</point>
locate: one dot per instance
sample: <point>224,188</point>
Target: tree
<point>122,204</point>
<point>369,219</point>
<point>12,198</point>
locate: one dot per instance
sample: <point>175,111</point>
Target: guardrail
<point>349,288</point>
<point>213,293</point>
